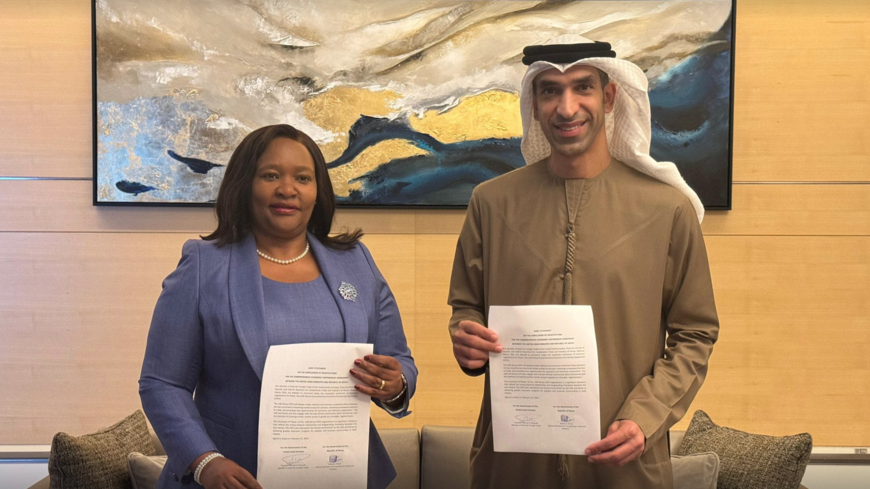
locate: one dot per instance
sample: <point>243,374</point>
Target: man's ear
<point>609,97</point>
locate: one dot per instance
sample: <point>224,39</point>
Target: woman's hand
<point>223,473</point>
<point>381,376</point>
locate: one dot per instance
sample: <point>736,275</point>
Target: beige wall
<point>791,262</point>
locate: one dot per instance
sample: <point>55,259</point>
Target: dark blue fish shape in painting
<point>369,131</point>
<point>134,188</point>
<point>195,164</point>
<point>444,176</point>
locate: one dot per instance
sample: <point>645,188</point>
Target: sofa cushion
<point>98,460</point>
<point>446,452</point>
<point>749,461</point>
<point>698,471</point>
<point>144,470</point>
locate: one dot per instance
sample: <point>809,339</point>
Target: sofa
<point>435,457</point>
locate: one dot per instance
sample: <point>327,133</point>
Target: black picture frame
<point>713,182</point>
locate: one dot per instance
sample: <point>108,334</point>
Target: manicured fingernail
<point>357,362</point>
<point>368,358</point>
<point>352,371</point>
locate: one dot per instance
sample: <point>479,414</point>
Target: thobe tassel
<point>566,290</point>
<point>563,467</point>
<point>569,265</point>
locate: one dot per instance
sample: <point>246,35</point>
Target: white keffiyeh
<point>627,125</point>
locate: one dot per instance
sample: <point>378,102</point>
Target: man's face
<point>570,107</point>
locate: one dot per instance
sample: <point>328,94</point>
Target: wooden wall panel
<point>45,88</point>
<point>802,80</point>
<point>759,209</point>
<point>395,256</point>
<point>75,311</point>
<point>789,210</point>
<point>794,350</point>
<point>450,396</point>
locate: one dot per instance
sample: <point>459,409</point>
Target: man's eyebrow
<point>548,83</point>
<point>590,79</point>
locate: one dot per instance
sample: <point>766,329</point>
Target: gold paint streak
<point>491,114</point>
<point>332,150</point>
<point>367,161</point>
<point>337,109</point>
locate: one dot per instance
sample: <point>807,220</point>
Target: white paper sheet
<point>314,426</point>
<point>544,383</point>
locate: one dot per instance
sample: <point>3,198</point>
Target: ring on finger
<point>383,383</point>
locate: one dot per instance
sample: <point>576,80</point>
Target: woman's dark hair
<point>233,205</point>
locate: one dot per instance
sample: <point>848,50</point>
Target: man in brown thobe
<point>593,220</point>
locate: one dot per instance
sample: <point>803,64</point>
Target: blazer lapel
<point>342,287</point>
<point>246,302</point>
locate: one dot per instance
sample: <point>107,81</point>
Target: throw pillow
<point>98,460</point>
<point>748,461</point>
<point>698,471</point>
<point>145,470</point>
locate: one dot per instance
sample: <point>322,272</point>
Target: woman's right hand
<point>223,473</point>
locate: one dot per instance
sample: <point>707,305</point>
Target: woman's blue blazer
<point>200,383</point>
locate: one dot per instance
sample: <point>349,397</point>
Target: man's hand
<point>624,442</point>
<point>223,473</point>
<point>472,343</point>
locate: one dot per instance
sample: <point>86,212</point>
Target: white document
<point>314,426</point>
<point>544,383</point>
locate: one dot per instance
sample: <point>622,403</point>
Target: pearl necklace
<point>285,262</point>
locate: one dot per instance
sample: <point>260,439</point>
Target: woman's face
<point>284,190</point>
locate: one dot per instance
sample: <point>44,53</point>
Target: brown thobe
<point>639,260</point>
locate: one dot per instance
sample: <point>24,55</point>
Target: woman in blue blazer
<point>269,274</point>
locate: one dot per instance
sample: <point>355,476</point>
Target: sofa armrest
<point>42,484</point>
<point>676,437</point>
<point>157,445</point>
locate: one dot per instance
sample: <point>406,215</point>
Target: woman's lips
<point>283,210</point>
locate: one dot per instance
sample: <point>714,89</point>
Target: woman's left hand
<point>381,376</point>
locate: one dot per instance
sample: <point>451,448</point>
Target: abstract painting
<point>413,102</point>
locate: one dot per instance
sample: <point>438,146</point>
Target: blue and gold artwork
<point>413,102</point>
